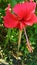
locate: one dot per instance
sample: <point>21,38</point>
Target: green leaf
<point>12,2</point>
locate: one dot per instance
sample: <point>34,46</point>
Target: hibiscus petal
<point>19,10</point>
<point>24,9</point>
<point>10,20</point>
<point>32,20</point>
<point>30,7</point>
<point>21,25</point>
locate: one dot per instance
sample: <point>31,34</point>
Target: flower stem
<point>7,39</point>
<point>19,41</point>
<point>28,43</point>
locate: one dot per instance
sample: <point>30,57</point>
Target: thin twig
<point>28,43</point>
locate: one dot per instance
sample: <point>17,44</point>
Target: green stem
<point>19,41</point>
<point>7,38</point>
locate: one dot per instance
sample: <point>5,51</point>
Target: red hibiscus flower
<point>24,14</point>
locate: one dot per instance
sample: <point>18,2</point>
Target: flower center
<point>21,20</point>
